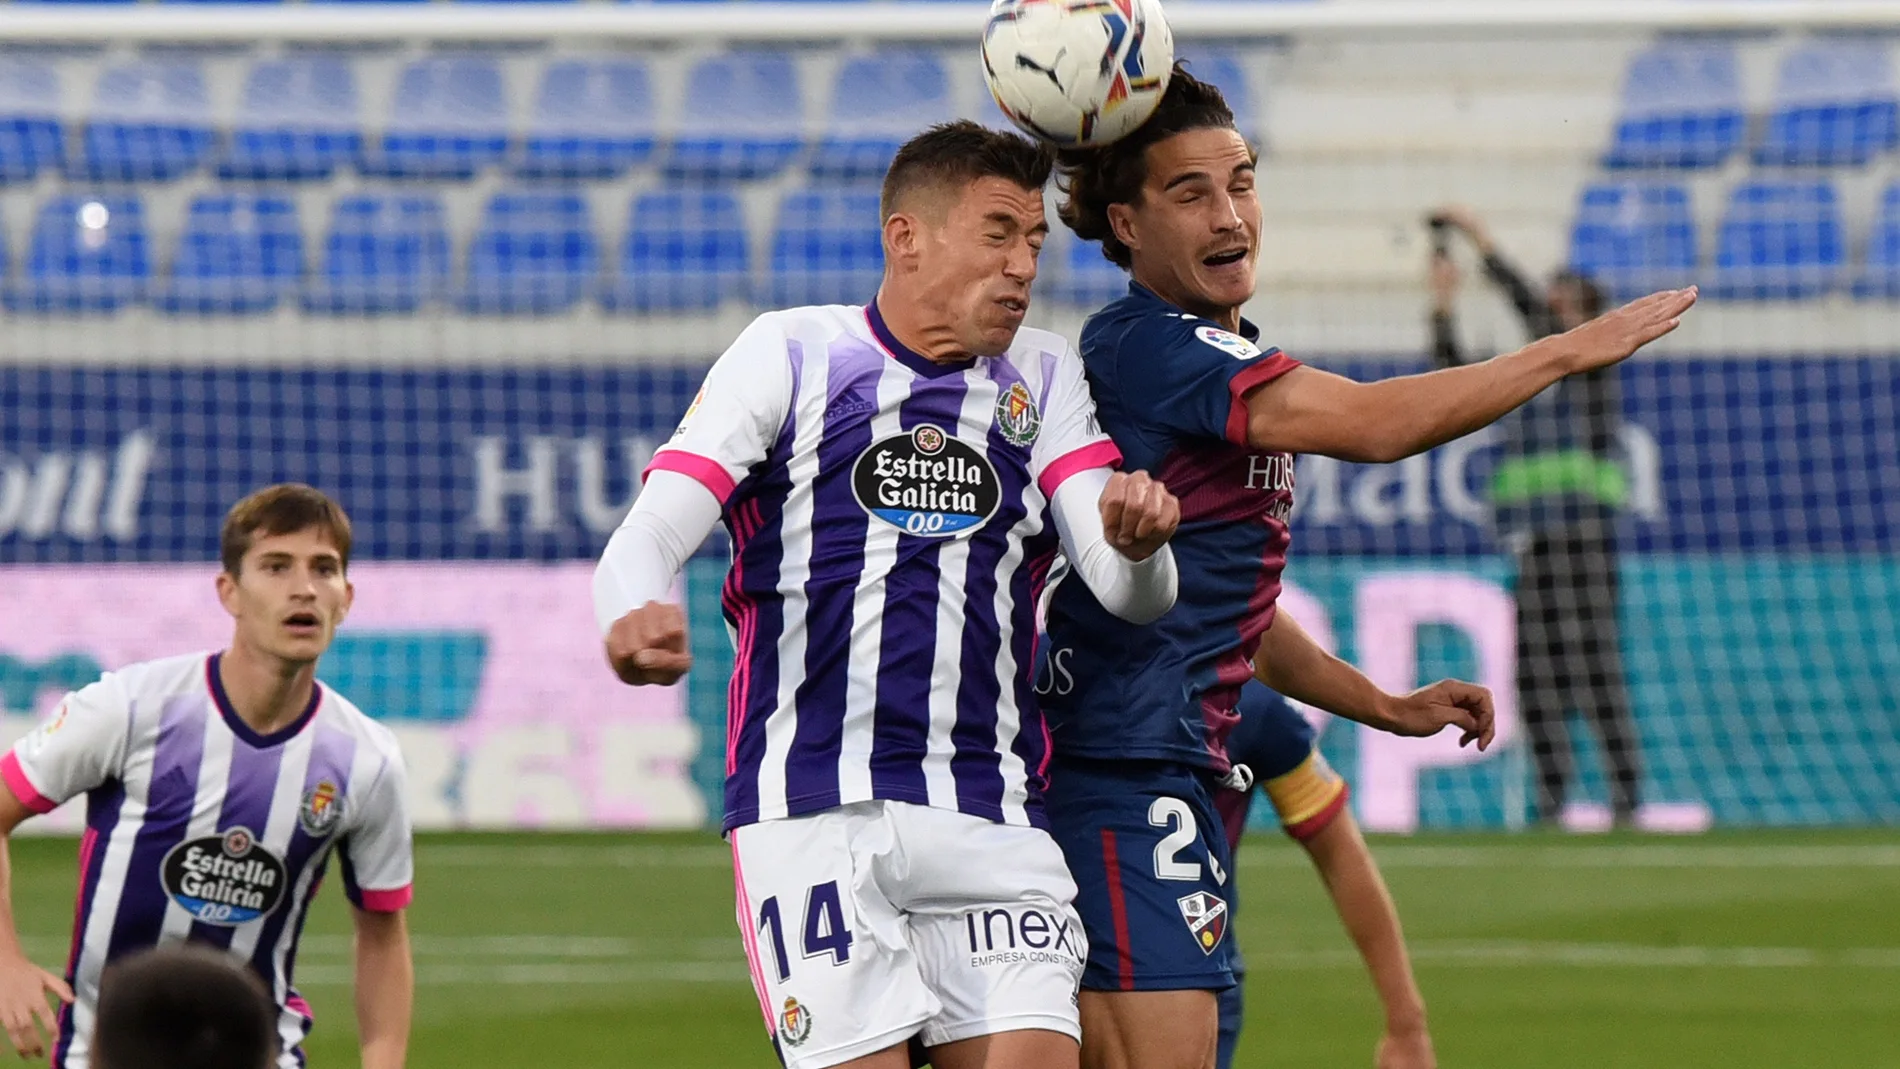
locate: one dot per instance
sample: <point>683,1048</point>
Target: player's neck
<point>913,324</point>
<point>1226,318</point>
<point>267,693</point>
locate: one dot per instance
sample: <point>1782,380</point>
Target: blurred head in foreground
<point>963,225</point>
<point>183,1007</point>
<point>1173,203</point>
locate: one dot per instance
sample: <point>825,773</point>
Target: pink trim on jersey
<point>707,472</point>
<point>298,1006</point>
<point>1271,366</point>
<point>738,696</point>
<point>750,937</point>
<point>1102,454</point>
<point>23,788</point>
<point>388,901</point>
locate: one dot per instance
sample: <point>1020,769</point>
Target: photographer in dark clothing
<point>1556,493</point>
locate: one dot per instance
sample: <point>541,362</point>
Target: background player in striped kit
<point>1185,390</point>
<point>1278,745</point>
<point>218,786</point>
<point>897,480</point>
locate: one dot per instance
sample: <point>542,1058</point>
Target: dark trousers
<point>1569,659</point>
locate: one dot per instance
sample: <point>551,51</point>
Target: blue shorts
<point>1233,1010</point>
<point>1151,867</point>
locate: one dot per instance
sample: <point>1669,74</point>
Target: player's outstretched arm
<point>645,633</point>
<point>1365,907</point>
<point>1114,528</point>
<point>24,1011</point>
<point>1290,662</point>
<point>385,987</point>
<point>1311,411</point>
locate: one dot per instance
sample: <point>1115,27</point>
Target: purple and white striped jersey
<point>891,534</point>
<point>199,828</point>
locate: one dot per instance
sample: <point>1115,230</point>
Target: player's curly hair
<point>955,154</point>
<point>1091,179</point>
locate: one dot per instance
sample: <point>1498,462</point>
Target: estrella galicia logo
<point>1017,416</point>
<point>226,880</point>
<point>321,809</point>
<point>794,1024</point>
<point>926,483</point>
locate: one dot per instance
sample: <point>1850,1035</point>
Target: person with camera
<point>1556,495</point>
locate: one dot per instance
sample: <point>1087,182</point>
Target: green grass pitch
<point>1730,950</point>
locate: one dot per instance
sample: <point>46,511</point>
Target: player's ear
<point>902,236</point>
<point>228,592</point>
<point>1121,220</point>
<point>349,599</point>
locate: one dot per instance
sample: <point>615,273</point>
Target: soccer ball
<point>1077,72</point>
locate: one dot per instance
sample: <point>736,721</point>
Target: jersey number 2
<point>1163,812</point>
<point>825,929</point>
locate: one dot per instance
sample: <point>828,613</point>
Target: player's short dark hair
<point>955,154</point>
<point>183,1007</point>
<point>1091,179</point>
<point>1591,295</point>
<point>278,510</point>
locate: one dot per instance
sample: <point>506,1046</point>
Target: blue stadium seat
<point>685,251</point>
<point>1880,279</point>
<point>878,101</point>
<point>1081,275</point>
<point>150,122</point>
<point>535,253</point>
<point>32,137</point>
<point>1223,71</point>
<point>298,120</point>
<point>1779,241</point>
<point>827,248</point>
<point>449,119</point>
<point>1682,108</point>
<point>1634,238</point>
<point>238,254</point>
<point>384,254</point>
<point>1834,105</point>
<point>592,119</point>
<point>743,117</point>
<point>88,255</point>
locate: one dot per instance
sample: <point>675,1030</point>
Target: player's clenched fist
<point>648,645</point>
<point>1138,514</point>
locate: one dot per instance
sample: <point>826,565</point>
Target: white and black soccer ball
<point>1077,72</point>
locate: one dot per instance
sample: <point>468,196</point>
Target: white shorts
<point>877,921</point>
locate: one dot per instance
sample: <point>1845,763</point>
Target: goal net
<point>464,268</point>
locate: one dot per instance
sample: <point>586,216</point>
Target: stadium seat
<point>32,137</point>
<point>298,120</point>
<point>592,119</point>
<point>827,248</point>
<point>1682,108</point>
<point>1224,72</point>
<point>150,122</point>
<point>238,254</point>
<point>685,251</point>
<point>535,253</point>
<point>743,117</point>
<point>1634,238</point>
<point>1081,275</point>
<point>1779,241</point>
<point>384,254</point>
<point>1880,279</point>
<point>448,120</point>
<point>88,255</point>
<point>1834,105</point>
<point>878,101</point>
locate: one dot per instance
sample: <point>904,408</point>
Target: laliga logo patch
<point>794,1025</point>
<point>226,880</point>
<point>690,409</point>
<point>321,809</point>
<point>1228,342</point>
<point>1206,917</point>
<point>926,483</point>
<point>1016,415</point>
